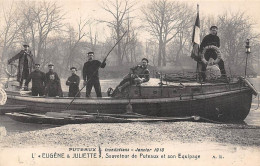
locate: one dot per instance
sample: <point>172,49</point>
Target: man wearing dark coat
<point>25,64</point>
<point>91,76</point>
<point>211,39</point>
<point>53,85</point>
<point>137,75</point>
<point>38,81</point>
<point>73,83</point>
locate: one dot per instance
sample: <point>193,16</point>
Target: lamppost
<point>247,53</point>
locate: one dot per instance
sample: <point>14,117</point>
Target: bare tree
<point>74,38</point>
<point>165,20</point>
<point>93,39</point>
<point>151,48</point>
<point>234,29</point>
<point>130,42</point>
<point>118,10</point>
<point>10,29</point>
<point>180,45</point>
<point>41,18</point>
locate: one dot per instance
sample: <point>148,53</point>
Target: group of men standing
<point>49,84</point>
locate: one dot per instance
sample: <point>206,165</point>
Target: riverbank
<point>205,139</point>
<point>130,133</point>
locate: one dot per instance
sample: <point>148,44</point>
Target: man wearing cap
<point>53,85</point>
<point>25,64</point>
<point>73,83</point>
<point>137,75</point>
<point>38,81</point>
<point>211,39</point>
<point>91,76</point>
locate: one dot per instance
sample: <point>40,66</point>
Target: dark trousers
<point>96,84</point>
<point>37,91</point>
<point>74,92</point>
<point>25,75</point>
<point>125,80</point>
<point>220,65</point>
<point>129,79</point>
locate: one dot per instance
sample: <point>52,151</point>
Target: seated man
<point>138,74</point>
<point>38,81</point>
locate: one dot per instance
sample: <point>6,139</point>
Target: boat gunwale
<point>96,100</point>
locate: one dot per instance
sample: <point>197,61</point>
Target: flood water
<point>13,127</point>
<point>254,115</point>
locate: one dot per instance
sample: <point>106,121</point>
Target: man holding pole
<point>91,76</point>
<point>94,72</point>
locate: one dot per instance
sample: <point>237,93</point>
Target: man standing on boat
<point>73,83</point>
<point>53,85</point>
<point>25,64</point>
<point>137,75</point>
<point>211,40</point>
<point>38,81</point>
<point>91,76</point>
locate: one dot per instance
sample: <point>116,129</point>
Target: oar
<point>96,70</point>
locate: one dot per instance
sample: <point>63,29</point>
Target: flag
<point>196,38</point>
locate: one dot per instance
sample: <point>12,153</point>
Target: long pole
<point>198,74</point>
<point>96,70</point>
<point>246,63</point>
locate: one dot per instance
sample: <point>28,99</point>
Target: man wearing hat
<point>211,39</point>
<point>53,85</point>
<point>137,75</point>
<point>73,83</point>
<point>25,64</point>
<point>91,76</point>
<point>38,81</point>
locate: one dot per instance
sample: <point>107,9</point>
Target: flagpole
<point>197,69</point>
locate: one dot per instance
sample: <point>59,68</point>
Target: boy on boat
<point>53,85</point>
<point>38,81</point>
<point>73,83</point>
<point>25,64</point>
<point>91,76</point>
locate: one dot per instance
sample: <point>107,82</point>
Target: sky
<point>92,8</point>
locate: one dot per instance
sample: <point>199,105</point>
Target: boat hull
<point>233,105</point>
